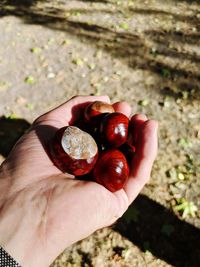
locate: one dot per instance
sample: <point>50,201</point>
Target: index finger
<point>69,110</point>
<point>123,107</point>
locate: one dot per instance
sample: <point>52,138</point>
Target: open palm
<point>45,210</point>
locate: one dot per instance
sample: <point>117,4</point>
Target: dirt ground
<point>144,52</point>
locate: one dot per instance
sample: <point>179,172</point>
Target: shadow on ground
<point>153,228</point>
<point>130,48</point>
<point>10,132</point>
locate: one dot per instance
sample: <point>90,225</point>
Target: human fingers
<point>135,127</point>
<point>122,107</point>
<point>69,111</point>
<point>146,150</point>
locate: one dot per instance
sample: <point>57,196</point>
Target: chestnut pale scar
<point>78,144</point>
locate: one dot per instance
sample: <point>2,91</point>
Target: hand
<point>42,210</point>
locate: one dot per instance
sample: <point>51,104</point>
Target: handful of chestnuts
<point>101,149</point>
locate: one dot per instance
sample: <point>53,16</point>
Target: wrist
<point>15,235</point>
<point>4,184</point>
<point>20,224</point>
<point>10,226</point>
<point>12,232</point>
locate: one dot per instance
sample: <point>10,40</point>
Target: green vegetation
<point>30,80</point>
<point>186,208</point>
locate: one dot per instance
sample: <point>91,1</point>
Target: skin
<point>42,210</point>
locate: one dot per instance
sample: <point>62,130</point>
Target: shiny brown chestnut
<point>97,108</point>
<point>114,129</point>
<point>129,152</point>
<point>73,151</point>
<point>111,170</point>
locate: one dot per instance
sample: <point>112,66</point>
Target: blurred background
<point>144,52</point>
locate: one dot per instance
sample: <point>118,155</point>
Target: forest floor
<point>144,52</point>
